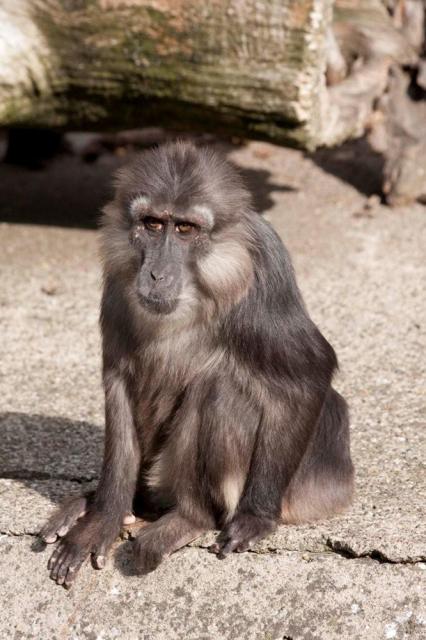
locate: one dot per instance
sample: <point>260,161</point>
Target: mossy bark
<point>252,67</point>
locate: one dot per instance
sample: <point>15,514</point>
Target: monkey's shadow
<point>56,456</point>
<point>41,451</point>
<point>44,452</point>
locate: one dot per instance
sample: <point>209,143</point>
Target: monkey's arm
<point>96,530</point>
<point>117,484</point>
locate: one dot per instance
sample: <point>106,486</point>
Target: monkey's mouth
<point>158,305</point>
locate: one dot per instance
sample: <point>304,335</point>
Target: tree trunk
<point>256,68</point>
<point>252,67</point>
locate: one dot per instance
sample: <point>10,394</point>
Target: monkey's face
<point>169,243</point>
<point>176,236</point>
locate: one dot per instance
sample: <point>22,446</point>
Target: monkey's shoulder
<point>270,328</point>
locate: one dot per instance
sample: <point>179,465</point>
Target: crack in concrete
<point>27,474</point>
<point>345,551</point>
<point>18,534</point>
<point>337,547</point>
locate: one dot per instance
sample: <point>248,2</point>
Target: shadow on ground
<point>354,162</point>
<point>68,191</point>
<point>36,447</point>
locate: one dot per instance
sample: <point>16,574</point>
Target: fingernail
<point>50,539</point>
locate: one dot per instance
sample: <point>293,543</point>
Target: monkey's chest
<point>172,373</point>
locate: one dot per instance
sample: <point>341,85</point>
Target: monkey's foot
<point>148,552</point>
<point>93,535</point>
<point>241,533</point>
<point>161,538</point>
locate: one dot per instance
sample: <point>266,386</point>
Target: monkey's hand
<point>93,534</point>
<point>241,533</point>
<point>64,518</point>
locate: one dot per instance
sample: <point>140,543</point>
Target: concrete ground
<point>361,267</point>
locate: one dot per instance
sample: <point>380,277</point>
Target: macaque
<point>219,405</point>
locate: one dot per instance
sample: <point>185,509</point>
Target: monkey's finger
<point>221,541</point>
<point>49,539</point>
<point>70,577</point>
<point>48,534</point>
<point>68,524</point>
<point>54,557</point>
<point>73,569</point>
<point>244,546</point>
<point>59,526</point>
<point>57,563</point>
<point>62,569</point>
<point>99,556</point>
<point>99,561</point>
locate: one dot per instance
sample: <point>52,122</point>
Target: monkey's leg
<point>323,483</point>
<point>161,538</point>
<point>94,533</point>
<point>282,437</point>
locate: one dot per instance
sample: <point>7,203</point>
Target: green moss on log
<point>251,69</point>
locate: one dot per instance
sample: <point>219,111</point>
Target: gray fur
<point>219,405</point>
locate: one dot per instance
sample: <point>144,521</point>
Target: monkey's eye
<point>184,228</point>
<point>153,224</point>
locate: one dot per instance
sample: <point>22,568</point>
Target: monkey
<point>219,404</point>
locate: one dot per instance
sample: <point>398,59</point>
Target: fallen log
<point>304,73</point>
<point>252,68</point>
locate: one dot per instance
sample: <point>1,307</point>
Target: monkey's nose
<point>157,277</point>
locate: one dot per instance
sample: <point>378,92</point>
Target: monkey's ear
<point>113,218</point>
<point>123,182</point>
<point>108,213</point>
<point>122,177</point>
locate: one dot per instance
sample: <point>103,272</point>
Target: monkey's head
<point>177,230</point>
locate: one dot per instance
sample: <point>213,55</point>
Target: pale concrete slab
<point>362,270</point>
<point>194,595</point>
